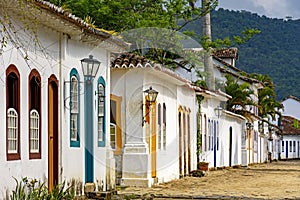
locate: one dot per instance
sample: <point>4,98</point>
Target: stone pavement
<point>276,180</point>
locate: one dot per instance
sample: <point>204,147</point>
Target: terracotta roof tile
<point>288,126</point>
<point>128,60</point>
<point>291,97</point>
<point>227,53</point>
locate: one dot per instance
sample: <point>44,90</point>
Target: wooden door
<point>153,139</point>
<point>52,132</point>
<point>230,146</point>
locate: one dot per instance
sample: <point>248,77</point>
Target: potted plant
<point>203,166</point>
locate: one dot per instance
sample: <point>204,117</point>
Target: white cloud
<point>269,8</point>
<point>273,8</point>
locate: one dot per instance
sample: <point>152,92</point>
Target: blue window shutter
<point>74,143</point>
<point>101,82</point>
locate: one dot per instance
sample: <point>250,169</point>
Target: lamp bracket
<point>144,117</point>
<point>68,97</point>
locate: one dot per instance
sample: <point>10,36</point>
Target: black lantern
<point>151,95</point>
<point>261,127</point>
<point>90,66</point>
<point>249,126</point>
<point>218,111</point>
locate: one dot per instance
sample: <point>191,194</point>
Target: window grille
<point>34,131</point>
<point>12,126</point>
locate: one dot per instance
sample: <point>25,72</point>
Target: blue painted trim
<point>75,73</point>
<point>102,82</point>
<point>214,143</point>
<point>89,130</point>
<point>286,149</point>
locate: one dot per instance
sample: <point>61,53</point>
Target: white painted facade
<point>290,147</point>
<point>53,53</point>
<point>221,136</point>
<point>138,166</point>
<point>291,107</point>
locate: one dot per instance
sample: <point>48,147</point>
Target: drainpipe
<point>60,105</point>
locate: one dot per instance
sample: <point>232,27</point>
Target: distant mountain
<point>275,51</point>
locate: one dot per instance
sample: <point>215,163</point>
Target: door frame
<point>53,174</point>
<point>153,141</point>
<point>286,149</point>
<point>230,146</point>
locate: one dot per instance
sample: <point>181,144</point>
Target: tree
<point>268,106</point>
<point>208,62</point>
<point>122,15</point>
<point>241,95</point>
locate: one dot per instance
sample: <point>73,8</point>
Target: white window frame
<point>101,99</point>
<point>74,108</point>
<point>12,126</point>
<point>164,126</point>
<point>34,131</point>
<point>113,136</point>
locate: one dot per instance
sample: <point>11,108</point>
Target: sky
<point>270,8</point>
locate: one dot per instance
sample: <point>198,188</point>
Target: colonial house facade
<point>54,114</point>
<point>253,140</point>
<point>291,106</point>
<point>290,143</point>
<point>254,149</point>
<point>290,140</point>
<point>221,131</point>
<point>155,142</point>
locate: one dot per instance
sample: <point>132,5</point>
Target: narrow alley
<point>276,180</point>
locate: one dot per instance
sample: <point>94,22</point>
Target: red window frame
<point>13,100</point>
<point>34,99</point>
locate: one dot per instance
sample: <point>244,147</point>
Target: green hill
<point>275,51</point>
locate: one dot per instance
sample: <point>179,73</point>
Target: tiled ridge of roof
<point>128,60</point>
<point>288,126</point>
<point>292,97</point>
<point>59,11</point>
<point>227,53</point>
<point>248,79</point>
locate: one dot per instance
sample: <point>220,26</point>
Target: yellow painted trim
<point>118,100</point>
<point>50,140</point>
<point>153,139</point>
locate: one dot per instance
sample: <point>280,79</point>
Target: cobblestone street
<point>276,180</point>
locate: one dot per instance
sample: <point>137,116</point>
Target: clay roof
<point>290,126</point>
<point>129,60</point>
<point>50,15</point>
<point>227,64</point>
<point>247,79</point>
<point>291,97</point>
<point>227,53</point>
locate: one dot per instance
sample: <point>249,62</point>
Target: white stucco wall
<point>130,84</point>
<point>224,124</point>
<point>286,151</point>
<point>46,61</point>
<point>34,168</point>
<point>291,108</point>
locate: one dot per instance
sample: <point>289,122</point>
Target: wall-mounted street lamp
<point>218,111</point>
<point>261,128</point>
<point>151,96</point>
<point>270,133</point>
<point>249,126</point>
<point>90,68</point>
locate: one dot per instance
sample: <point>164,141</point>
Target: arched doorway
<point>52,132</point>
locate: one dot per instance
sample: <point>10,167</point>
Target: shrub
<point>27,189</point>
